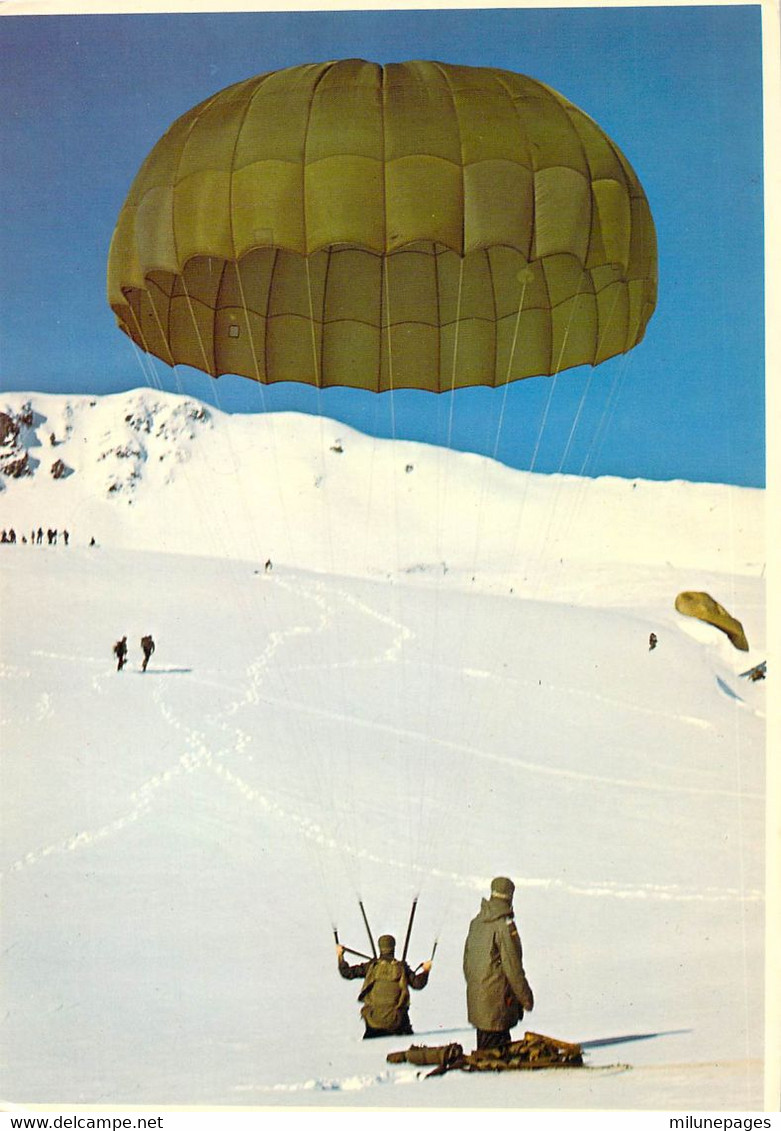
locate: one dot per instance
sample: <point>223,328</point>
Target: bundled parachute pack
<point>533,1052</point>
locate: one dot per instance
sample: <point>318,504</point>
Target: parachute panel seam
<point>454,104</point>
<point>239,129</point>
<point>268,312</point>
<point>316,350</point>
<point>437,287</point>
<point>495,319</point>
<point>499,76</point>
<point>177,179</point>
<point>254,91</point>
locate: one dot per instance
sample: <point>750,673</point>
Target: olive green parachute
<point>415,225</point>
<point>703,606</point>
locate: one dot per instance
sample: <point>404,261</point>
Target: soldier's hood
<point>493,909</point>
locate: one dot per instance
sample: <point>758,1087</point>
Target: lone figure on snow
<point>497,992</point>
<point>120,651</point>
<point>147,647</point>
<point>385,990</point>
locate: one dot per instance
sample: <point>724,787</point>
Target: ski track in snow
<point>202,754</point>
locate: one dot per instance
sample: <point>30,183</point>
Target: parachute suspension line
<point>608,412</point>
<point>315,355</point>
<point>337,790</point>
<point>499,425</point>
<point>541,432</point>
<point>390,346</point>
<point>216,401</point>
<point>301,740</point>
<point>302,743</point>
<point>196,327</point>
<point>208,527</point>
<point>582,484</point>
<point>158,384</point>
<point>326,533</point>
<point>594,448</point>
<point>555,375</point>
<point>157,381</point>
<point>586,390</point>
<point>428,832</point>
<point>248,327</point>
<point>455,349</point>
<point>147,367</point>
<point>268,419</point>
<point>524,277</point>
<point>404,795</point>
<point>599,345</point>
<point>472,609</point>
<point>163,334</point>
<point>553,515</point>
<point>148,372</point>
<point>503,406</point>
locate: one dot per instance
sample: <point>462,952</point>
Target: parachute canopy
<point>702,606</point>
<point>416,225</point>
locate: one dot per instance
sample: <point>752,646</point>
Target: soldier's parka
<point>497,991</point>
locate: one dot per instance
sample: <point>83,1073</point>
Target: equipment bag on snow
<point>534,1051</point>
<point>384,994</point>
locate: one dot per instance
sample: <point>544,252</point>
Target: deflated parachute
<point>416,225</point>
<point>703,606</point>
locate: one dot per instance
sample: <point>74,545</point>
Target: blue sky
<point>679,89</point>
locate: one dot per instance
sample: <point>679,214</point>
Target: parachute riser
<point>368,928</point>
<point>349,949</point>
<point>413,909</point>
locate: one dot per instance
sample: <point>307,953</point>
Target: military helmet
<point>387,944</point>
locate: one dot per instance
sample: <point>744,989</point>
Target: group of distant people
<point>36,537</point>
<point>120,651</point>
<point>497,992</point>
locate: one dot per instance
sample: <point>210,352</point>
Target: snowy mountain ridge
<point>295,488</point>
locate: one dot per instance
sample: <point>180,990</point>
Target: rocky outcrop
<point>14,457</point>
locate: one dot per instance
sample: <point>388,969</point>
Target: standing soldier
<point>120,651</point>
<point>147,647</point>
<point>385,990</point>
<point>497,992</point>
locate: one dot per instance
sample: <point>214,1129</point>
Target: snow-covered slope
<point>443,676</point>
<point>150,470</point>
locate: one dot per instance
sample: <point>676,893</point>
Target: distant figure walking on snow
<point>147,647</point>
<point>120,651</point>
<point>652,642</point>
<point>267,567</point>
